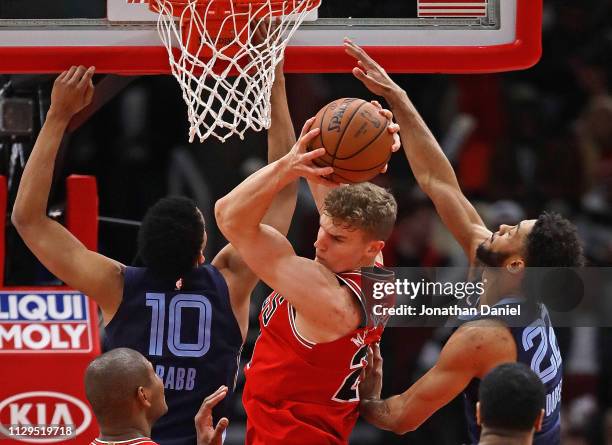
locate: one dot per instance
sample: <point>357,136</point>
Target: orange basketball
<point>355,137</point>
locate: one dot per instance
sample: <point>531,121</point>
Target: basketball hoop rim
<point>238,5</point>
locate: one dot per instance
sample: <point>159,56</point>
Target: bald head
<point>112,381</point>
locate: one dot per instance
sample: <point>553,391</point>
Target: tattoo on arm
<point>377,411</point>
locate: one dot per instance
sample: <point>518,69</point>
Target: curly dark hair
<point>363,206</point>
<point>553,242</point>
<point>171,237</point>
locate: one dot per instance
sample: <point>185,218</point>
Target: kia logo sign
<point>43,408</point>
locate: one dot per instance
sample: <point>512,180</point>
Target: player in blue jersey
<point>481,343</point>
<point>510,407</point>
<point>187,317</point>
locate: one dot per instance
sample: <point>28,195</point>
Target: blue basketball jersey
<point>191,337</point>
<point>537,347</point>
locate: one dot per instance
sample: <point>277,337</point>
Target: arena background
<point>541,140</point>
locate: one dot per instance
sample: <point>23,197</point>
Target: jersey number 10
<point>178,303</point>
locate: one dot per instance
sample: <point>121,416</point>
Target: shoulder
<point>209,270</point>
<point>135,278</point>
<point>131,273</point>
<point>346,292</point>
<point>481,344</point>
<point>344,304</point>
<point>356,278</point>
<point>351,279</point>
<point>483,333</point>
<point>343,315</point>
<point>207,274</point>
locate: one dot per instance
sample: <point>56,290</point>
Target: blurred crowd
<point>521,143</point>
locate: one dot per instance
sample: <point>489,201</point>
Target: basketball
<point>355,138</point>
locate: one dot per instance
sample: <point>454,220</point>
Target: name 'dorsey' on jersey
<point>44,321</point>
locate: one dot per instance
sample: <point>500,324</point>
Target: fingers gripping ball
<point>355,137</point>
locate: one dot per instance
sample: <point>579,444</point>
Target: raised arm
<point>307,285</point>
<point>471,352</point>
<point>431,168</point>
<point>281,137</point>
<point>66,257</point>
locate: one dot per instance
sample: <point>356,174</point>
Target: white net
<point>223,54</point>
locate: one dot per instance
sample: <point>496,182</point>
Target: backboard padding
<point>471,45</point>
<point>45,9</point>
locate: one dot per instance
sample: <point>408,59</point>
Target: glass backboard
<point>406,36</point>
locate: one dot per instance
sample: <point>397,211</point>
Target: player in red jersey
<point>127,398</point>
<point>302,381</point>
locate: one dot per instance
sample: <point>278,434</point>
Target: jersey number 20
<point>177,304</point>
<point>531,333</point>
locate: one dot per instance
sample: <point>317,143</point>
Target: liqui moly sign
<point>44,322</point>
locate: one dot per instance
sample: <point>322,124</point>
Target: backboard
<point>426,36</point>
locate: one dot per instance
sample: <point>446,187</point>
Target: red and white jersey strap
<point>137,441</point>
<point>353,281</point>
<point>303,341</point>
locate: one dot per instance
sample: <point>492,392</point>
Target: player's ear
<point>516,265</point>
<point>375,247</point>
<point>538,423</point>
<point>143,397</point>
<point>201,258</point>
<point>478,422</point>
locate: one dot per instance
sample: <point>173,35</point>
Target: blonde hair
<point>363,206</point>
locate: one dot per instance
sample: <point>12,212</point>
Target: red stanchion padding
<point>48,336</point>
<point>82,209</point>
<point>3,204</point>
<point>47,339</point>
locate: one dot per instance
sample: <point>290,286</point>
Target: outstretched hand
<point>72,91</point>
<point>300,161</point>
<point>373,76</point>
<point>392,128</point>
<point>265,31</point>
<point>206,433</point>
<point>371,377</point>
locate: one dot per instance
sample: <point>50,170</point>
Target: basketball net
<point>224,67</point>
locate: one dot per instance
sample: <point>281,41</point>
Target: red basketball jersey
<point>139,441</point>
<point>298,392</point>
